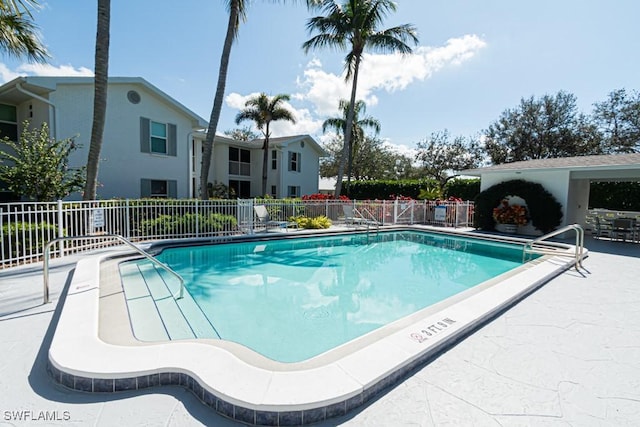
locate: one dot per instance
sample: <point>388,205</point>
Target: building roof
<point>14,90</point>
<point>281,141</point>
<point>598,162</point>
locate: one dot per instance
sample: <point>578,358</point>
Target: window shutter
<point>145,138</point>
<point>172,189</point>
<point>145,188</point>
<point>290,158</point>
<point>172,144</point>
<point>299,162</point>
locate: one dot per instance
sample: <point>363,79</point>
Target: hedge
<point>545,212</point>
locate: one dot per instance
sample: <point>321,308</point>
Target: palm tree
<point>237,13</point>
<point>339,124</point>
<point>18,33</point>
<point>264,110</point>
<point>101,81</point>
<point>355,25</point>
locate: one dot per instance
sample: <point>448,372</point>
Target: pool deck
<point>569,354</point>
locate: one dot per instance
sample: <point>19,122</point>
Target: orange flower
<point>510,214</point>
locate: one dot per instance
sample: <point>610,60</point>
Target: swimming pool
<point>291,300</point>
<point>93,348</point>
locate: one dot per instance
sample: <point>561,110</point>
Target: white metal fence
<point>25,228</point>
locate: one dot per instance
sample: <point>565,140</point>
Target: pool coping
<point>80,360</point>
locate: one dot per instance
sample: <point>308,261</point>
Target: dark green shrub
<point>624,196</point>
<point>176,224</point>
<point>465,189</point>
<point>544,210</point>
<point>382,190</point>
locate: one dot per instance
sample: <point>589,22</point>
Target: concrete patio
<point>569,354</point>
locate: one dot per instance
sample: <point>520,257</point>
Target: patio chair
<point>352,217</point>
<point>601,228</point>
<point>264,220</point>
<point>623,228</point>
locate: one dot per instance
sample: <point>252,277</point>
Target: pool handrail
<point>104,236</point>
<point>579,246</point>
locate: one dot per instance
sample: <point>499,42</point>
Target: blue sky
<point>474,60</point>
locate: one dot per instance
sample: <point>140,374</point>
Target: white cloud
<point>305,123</point>
<point>400,149</point>
<point>384,72</point>
<point>321,90</point>
<point>27,69</point>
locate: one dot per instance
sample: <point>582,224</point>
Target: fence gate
<point>245,215</point>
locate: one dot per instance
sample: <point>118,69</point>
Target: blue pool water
<point>294,299</point>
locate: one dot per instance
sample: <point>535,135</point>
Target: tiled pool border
<point>73,371</point>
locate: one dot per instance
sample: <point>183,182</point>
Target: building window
<point>294,191</point>
<point>158,138</point>
<point>239,161</point>
<point>159,188</point>
<point>273,191</point>
<point>295,160</point>
<point>274,159</point>
<point>242,189</point>
<point>8,122</point>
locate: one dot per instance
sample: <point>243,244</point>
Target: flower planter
<point>510,228</point>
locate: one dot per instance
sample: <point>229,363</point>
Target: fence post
<point>60,227</point>
<point>395,211</point>
<point>127,219</point>
<point>197,218</point>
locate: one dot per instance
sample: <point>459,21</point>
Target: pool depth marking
<point>432,330</point>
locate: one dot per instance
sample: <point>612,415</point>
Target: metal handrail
<point>103,236</point>
<point>579,246</point>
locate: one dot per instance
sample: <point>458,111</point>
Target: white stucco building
<point>567,178</point>
<point>152,143</point>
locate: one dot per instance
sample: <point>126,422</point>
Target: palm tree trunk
<point>265,160</point>
<point>101,81</point>
<point>217,101</point>
<point>346,150</point>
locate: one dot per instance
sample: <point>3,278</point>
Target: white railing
<point>25,228</point>
<point>45,270</point>
<point>531,248</point>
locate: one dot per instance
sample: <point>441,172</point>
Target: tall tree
<point>37,166</point>
<point>355,26</point>
<point>264,110</point>
<point>18,34</point>
<point>373,161</point>
<point>339,124</point>
<point>618,119</point>
<point>242,134</point>
<point>237,13</point>
<point>542,128</point>
<point>441,157</point>
<point>100,86</point>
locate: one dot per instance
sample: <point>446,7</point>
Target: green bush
<point>171,224</point>
<point>382,190</point>
<point>624,196</point>
<point>21,238</point>
<point>544,210</point>
<point>313,223</point>
<point>465,189</point>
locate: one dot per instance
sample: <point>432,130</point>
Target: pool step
<point>155,314</point>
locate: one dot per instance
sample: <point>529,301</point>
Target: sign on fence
<point>440,214</point>
<point>98,218</point>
